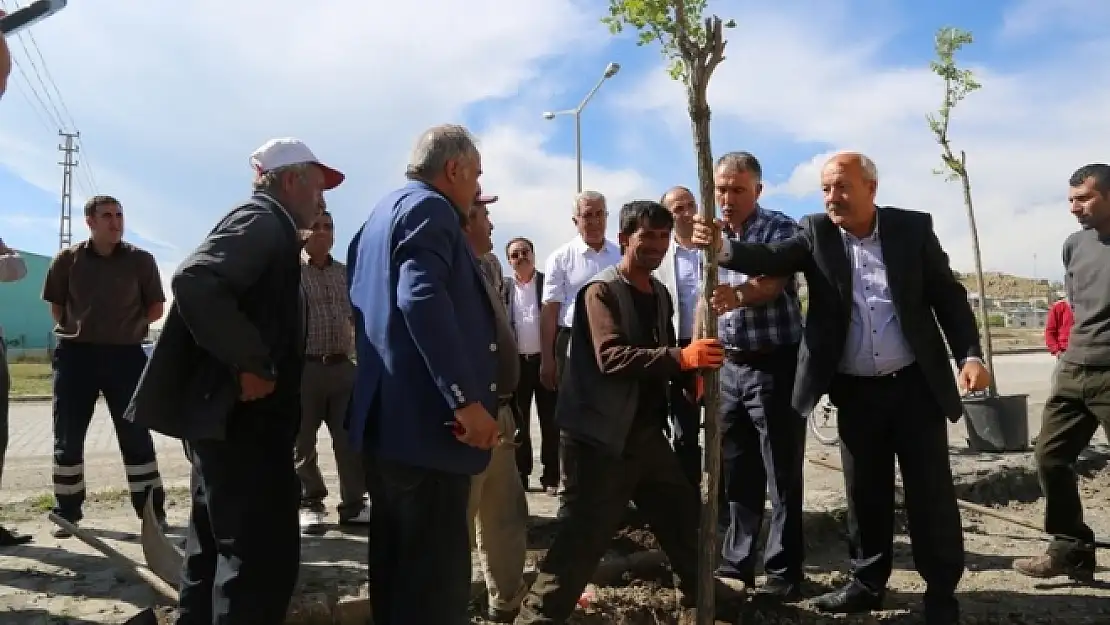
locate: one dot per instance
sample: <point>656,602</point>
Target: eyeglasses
<point>515,254</point>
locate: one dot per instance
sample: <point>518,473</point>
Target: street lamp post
<point>610,71</point>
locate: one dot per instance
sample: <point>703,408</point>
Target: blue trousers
<point>83,372</point>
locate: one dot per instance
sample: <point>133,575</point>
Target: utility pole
<point>69,160</point>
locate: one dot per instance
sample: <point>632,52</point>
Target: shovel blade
<point>162,556</point>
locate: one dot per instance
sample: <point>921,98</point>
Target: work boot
<point>312,522</point>
<point>1077,563</point>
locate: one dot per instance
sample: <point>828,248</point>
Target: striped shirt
<point>778,322</point>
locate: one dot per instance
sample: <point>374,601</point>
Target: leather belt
<point>535,356</point>
<point>327,359</point>
<point>745,356</point>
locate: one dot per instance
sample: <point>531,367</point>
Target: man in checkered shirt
<point>763,438</point>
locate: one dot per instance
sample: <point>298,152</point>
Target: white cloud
<point>173,103</point>
<point>796,75</point>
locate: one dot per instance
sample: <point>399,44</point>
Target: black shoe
<point>495,615</point>
<point>9,538</point>
<point>851,598</point>
<point>780,589</point>
<point>943,610</point>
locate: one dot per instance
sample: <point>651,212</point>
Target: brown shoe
<point>1080,568</point>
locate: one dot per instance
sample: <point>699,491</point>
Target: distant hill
<point>999,286</point>
<point>1006,286</point>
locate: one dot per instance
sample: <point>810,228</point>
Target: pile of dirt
<point>990,592</point>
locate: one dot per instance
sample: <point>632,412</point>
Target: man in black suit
<point>877,276</point>
<point>225,378</point>
<point>523,293</point>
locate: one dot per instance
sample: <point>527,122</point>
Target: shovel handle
<point>118,558</point>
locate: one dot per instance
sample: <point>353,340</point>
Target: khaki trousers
<point>498,511</point>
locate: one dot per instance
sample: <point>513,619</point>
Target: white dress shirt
<point>526,316</point>
<point>569,268</point>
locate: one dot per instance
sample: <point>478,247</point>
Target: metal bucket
<point>997,423</point>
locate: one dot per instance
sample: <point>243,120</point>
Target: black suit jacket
<point>237,307</point>
<point>507,286</point>
<point>923,286</point>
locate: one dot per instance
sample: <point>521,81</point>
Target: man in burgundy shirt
<point>1058,327</point>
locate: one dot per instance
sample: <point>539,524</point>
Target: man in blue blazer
<point>425,389</point>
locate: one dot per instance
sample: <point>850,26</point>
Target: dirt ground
<point>65,581</point>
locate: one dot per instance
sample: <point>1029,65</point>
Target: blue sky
<point>170,104</point>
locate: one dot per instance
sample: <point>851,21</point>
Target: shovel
<point>162,556</point>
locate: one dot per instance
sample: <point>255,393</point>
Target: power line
<point>69,151</point>
<point>53,110</point>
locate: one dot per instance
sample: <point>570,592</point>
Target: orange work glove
<point>702,354</point>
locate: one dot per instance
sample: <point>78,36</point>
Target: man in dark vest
<point>523,293</point>
<point>225,378</point>
<point>612,407</point>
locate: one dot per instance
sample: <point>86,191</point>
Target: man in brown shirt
<point>612,408</point>
<point>326,384</point>
<point>103,293</point>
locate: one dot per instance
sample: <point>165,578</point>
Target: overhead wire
<point>53,108</point>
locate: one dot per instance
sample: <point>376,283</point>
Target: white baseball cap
<point>290,151</point>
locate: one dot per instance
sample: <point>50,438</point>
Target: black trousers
<point>242,551</point>
<point>419,545</point>
<point>82,372</point>
<point>527,388</point>
<point>685,424</point>
<point>762,451</point>
<point>567,473</point>
<point>648,473</point>
<point>879,419</point>
<point>1078,404</point>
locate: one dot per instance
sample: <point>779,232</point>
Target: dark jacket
<point>425,334</point>
<point>923,286</point>
<point>237,307</point>
<point>596,406</point>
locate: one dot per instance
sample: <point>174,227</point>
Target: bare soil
<point>64,581</point>
<point>990,592</point>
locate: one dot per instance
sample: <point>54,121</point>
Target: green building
<point>24,317</point>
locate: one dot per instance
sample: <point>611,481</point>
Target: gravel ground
<point>65,581</point>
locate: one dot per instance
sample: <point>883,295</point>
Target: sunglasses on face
<point>515,254</point>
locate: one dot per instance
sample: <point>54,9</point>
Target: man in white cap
<point>225,378</point>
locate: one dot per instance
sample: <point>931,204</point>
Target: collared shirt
<point>687,277</point>
<point>569,268</point>
<point>778,322</point>
<point>875,344</point>
<point>105,299</point>
<point>526,315</point>
<point>329,330</point>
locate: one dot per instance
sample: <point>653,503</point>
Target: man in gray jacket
<point>225,377</point>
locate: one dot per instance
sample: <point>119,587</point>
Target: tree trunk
<point>711,473</point>
<point>988,347</point>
